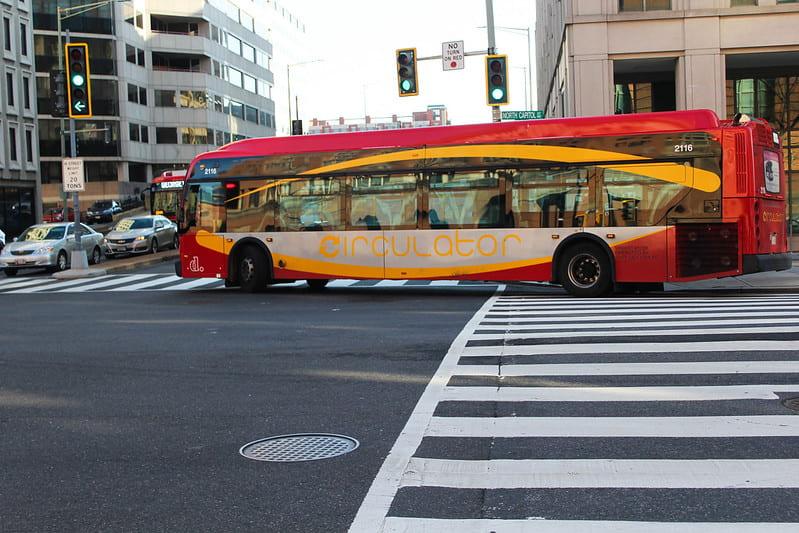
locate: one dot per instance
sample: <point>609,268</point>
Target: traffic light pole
<point>78,259</point>
<point>64,196</point>
<point>496,114</point>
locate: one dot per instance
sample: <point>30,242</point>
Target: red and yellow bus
<point>164,193</point>
<point>591,203</point>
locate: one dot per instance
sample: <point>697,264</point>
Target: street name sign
<point>452,55</point>
<point>522,115</point>
<point>72,172</point>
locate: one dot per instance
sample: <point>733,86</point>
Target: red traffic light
<point>496,66</point>
<point>76,54</point>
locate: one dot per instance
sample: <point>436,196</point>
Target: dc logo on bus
<point>194,265</point>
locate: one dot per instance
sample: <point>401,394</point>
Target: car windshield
<point>43,233</point>
<point>127,224</point>
<point>102,205</point>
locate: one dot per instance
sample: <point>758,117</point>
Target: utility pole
<point>496,114</point>
<point>64,197</point>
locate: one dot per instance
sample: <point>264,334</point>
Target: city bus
<point>594,204</point>
<point>163,195</point>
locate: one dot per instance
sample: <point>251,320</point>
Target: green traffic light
<point>78,80</point>
<point>407,85</point>
<point>497,94</point>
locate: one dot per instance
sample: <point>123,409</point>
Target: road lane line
<point>651,426</point>
<point>377,502</point>
<point>616,394</point>
<point>397,524</point>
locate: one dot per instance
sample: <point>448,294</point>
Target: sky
<point>356,41</point>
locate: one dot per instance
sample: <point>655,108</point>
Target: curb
<point>143,262</point>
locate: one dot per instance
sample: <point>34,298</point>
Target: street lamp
<point>288,85</point>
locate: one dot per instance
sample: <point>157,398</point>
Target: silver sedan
<point>135,235</point>
<point>49,246</point>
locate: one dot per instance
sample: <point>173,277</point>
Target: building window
<point>133,93</point>
<point>7,34</point>
<point>29,145</point>
<point>130,54</point>
<point>26,92</point>
<point>165,98</point>
<point>140,57</point>
<point>194,99</point>
<point>644,5</point>
<point>10,88</point>
<point>236,109</point>
<point>23,39</point>
<point>194,135</point>
<point>251,114</point>
<point>736,3</point>
<point>133,130</point>
<point>166,135</point>
<point>145,134</point>
<point>143,95</point>
<point>12,143</point>
<point>249,83</point>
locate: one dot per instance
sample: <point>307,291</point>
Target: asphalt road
<point>126,411</point>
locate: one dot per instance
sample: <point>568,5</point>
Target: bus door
<point>202,248</point>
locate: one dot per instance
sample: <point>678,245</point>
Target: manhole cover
<point>298,447</point>
<point>792,403</point>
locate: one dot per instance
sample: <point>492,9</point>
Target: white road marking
<point>378,500</point>
<point>763,329</point>
<point>615,326</point>
<point>149,283</point>
<point>396,524</point>
<point>26,282</point>
<point>615,394</point>
<point>57,285</point>
<point>654,307</point>
<point>194,284</point>
<point>610,426</point>
<point>635,347</point>
<point>547,318</point>
<point>105,282</point>
<point>630,369</point>
<point>602,473</point>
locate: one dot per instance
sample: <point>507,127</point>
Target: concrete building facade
<point>19,153</point>
<point>604,57</point>
<point>170,80</point>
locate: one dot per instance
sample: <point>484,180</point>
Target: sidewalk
<point>784,280</point>
<point>138,261</point>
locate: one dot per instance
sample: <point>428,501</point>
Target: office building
<point>170,80</point>
<point>19,157</point>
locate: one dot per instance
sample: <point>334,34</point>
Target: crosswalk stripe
<point>547,318</point>
<point>569,302</point>
<point>27,282</point>
<point>149,283</point>
<point>675,426</point>
<point>397,524</point>
<point>602,473</point>
<point>194,284</point>
<point>56,286</point>
<point>611,326</point>
<point>617,394</point>
<point>630,369</point>
<point>600,348</point>
<point>603,311</point>
<point>763,329</point>
<point>106,282</point>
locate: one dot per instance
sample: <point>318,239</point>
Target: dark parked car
<point>103,211</point>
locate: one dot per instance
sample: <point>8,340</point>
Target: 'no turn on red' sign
<point>452,55</point>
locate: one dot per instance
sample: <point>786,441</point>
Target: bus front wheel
<point>253,269</point>
<point>585,271</point>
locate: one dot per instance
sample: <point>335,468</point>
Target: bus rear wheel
<point>584,271</point>
<point>252,269</point>
<point>317,285</point>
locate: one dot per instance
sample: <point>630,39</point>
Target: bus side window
<point>189,218</point>
<point>553,197</point>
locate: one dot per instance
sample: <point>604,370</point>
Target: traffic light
<point>406,72</point>
<point>79,92</point>
<point>58,93</point>
<point>497,79</point>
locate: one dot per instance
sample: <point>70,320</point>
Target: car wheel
<point>253,268</point>
<point>61,263</point>
<point>96,256</point>
<point>317,285</point>
<point>11,272</point>
<point>154,246</point>
<point>175,242</point>
<point>584,270</point>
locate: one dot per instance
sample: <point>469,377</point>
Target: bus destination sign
<point>522,115</point>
